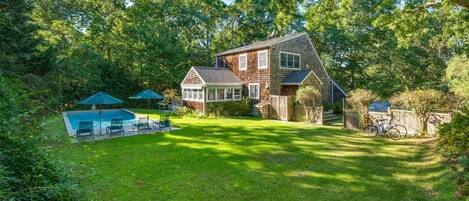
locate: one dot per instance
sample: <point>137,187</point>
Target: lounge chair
<point>143,124</point>
<point>164,122</point>
<point>85,128</point>
<point>116,127</point>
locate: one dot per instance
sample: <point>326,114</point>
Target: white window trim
<point>240,94</point>
<point>280,60</point>
<point>232,99</point>
<point>194,92</point>
<point>258,93</point>
<point>245,55</point>
<point>266,59</point>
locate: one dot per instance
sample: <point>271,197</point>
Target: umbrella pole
<point>148,108</point>
<point>100,110</point>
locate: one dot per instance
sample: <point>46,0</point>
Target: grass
<point>252,159</point>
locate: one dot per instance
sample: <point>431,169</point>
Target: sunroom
<point>203,85</point>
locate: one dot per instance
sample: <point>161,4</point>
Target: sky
<point>228,2</point>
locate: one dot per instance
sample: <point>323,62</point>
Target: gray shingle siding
<point>309,60</point>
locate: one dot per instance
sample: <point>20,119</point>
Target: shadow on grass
<point>239,159</point>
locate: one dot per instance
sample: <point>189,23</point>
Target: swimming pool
<point>73,118</point>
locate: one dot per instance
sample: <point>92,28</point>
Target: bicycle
<point>384,128</point>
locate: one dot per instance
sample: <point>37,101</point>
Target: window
<point>195,94</point>
<point>237,94</point>
<point>243,62</point>
<point>189,94</point>
<point>290,60</point>
<point>254,90</point>
<point>201,94</point>
<point>211,94</point>
<point>229,94</point>
<point>192,94</point>
<point>220,94</point>
<point>184,93</point>
<point>262,59</point>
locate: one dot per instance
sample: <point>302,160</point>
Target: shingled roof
<point>262,44</point>
<point>213,75</point>
<point>296,77</point>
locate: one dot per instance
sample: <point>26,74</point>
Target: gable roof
<point>262,44</point>
<point>213,75</point>
<point>297,77</point>
<point>338,87</point>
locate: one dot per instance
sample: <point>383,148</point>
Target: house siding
<point>197,106</point>
<point>252,74</point>
<point>309,60</point>
<point>192,78</point>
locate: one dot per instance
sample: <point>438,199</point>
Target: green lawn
<point>251,159</point>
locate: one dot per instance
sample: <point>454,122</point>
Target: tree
<point>360,100</point>
<point>422,102</point>
<point>453,140</point>
<point>310,98</point>
<point>457,75</point>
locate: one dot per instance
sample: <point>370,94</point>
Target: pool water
<point>74,118</point>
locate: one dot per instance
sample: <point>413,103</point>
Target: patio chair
<point>85,128</point>
<point>143,124</point>
<point>164,122</point>
<point>116,127</point>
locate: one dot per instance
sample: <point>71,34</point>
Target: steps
<point>330,117</point>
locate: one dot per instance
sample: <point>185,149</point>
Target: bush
<point>337,107</point>
<point>457,75</point>
<point>309,98</point>
<point>360,100</point>
<point>181,111</point>
<point>27,171</point>
<point>423,102</point>
<point>453,140</point>
<point>229,108</point>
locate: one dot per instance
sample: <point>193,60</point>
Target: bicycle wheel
<point>371,130</point>
<point>394,133</point>
<point>402,130</point>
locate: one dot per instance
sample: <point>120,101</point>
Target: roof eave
<point>228,52</point>
<point>223,84</point>
<point>244,50</point>
<point>283,83</point>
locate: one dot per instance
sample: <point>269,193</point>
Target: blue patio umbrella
<point>100,99</point>
<point>148,95</point>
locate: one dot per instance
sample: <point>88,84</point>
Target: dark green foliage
<point>27,171</point>
<point>229,108</point>
<point>337,107</point>
<point>453,140</point>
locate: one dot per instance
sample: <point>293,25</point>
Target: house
<point>261,70</point>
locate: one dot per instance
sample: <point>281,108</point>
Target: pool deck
<point>71,131</point>
<point>128,132</point>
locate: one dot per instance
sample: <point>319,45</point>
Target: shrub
<point>229,108</point>
<point>309,98</point>
<point>423,102</point>
<point>337,107</point>
<point>27,171</point>
<point>170,95</point>
<point>360,100</point>
<point>457,75</point>
<point>453,140</point>
<point>181,111</point>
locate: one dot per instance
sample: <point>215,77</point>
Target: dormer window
<point>262,59</point>
<point>243,62</point>
<point>290,60</point>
